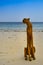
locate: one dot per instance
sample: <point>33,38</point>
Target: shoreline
<point>2,30</point>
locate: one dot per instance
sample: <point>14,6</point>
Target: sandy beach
<point>12,48</point>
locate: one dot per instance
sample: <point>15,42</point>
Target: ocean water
<point>19,26</point>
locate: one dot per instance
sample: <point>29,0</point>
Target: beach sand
<point>12,48</point>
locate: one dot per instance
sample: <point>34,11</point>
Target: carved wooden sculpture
<point>30,50</point>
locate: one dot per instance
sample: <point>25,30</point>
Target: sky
<point>16,10</point>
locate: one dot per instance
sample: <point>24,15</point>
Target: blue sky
<point>16,10</point>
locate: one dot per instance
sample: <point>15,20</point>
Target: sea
<point>19,26</point>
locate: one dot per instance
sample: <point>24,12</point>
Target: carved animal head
<point>26,20</point>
